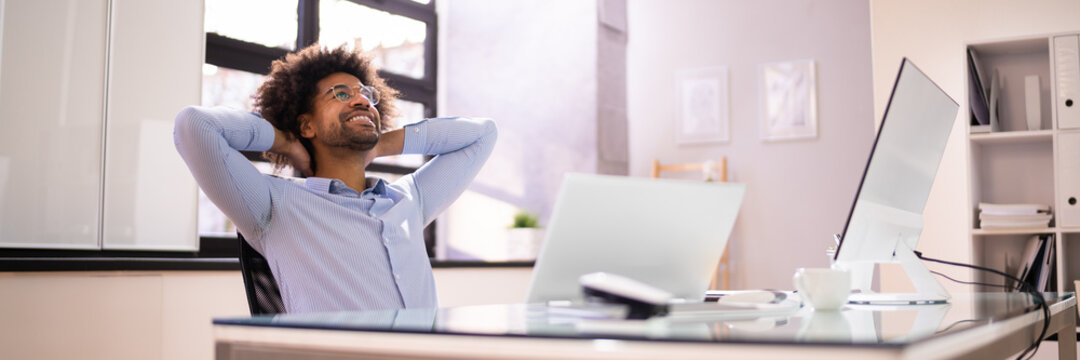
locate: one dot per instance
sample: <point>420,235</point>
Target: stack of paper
<point>1013,216</point>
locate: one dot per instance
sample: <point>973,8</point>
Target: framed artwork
<point>703,108</point>
<point>788,100</point>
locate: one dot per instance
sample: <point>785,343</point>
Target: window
<point>240,48</point>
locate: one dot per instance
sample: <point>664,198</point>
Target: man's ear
<point>307,130</point>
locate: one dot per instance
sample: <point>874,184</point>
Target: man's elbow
<point>189,121</point>
<point>490,130</point>
<point>187,117</point>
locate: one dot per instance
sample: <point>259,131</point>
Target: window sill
<point>184,264</point>
<point>215,254</point>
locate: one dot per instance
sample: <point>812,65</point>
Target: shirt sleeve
<point>460,145</point>
<point>210,140</point>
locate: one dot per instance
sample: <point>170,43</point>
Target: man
<point>339,240</point>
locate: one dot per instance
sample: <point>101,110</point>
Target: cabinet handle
<point>1072,200</point>
<point>1068,102</point>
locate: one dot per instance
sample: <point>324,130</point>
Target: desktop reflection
<point>852,325</point>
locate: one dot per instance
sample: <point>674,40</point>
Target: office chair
<point>723,282</point>
<point>263,295</point>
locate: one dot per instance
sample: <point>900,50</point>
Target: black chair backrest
<point>263,295</point>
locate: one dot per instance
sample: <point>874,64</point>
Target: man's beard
<point>348,137</point>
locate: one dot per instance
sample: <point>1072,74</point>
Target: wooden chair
<point>719,166</point>
<point>723,281</point>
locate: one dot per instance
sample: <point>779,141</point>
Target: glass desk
<point>980,325</point>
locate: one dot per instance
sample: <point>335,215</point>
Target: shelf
<point>1012,137</point>
<point>1020,231</point>
<point>1013,46</point>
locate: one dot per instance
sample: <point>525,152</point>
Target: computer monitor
<point>886,218</point>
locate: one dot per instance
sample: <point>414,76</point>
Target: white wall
<point>115,315</point>
<point>799,192</point>
<point>933,35</point>
<point>530,65</point>
<point>167,315</point>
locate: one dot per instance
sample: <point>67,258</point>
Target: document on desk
<point>732,310</point>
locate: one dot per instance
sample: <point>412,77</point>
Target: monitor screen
<point>910,142</point>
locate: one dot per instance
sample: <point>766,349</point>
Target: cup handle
<point>800,283</point>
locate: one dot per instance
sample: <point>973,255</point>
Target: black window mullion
<point>241,55</point>
<point>410,9</point>
<point>409,87</point>
<point>431,58</point>
<point>307,23</point>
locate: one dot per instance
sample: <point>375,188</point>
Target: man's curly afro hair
<point>289,90</point>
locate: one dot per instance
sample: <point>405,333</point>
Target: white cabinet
<point>52,87</point>
<point>155,69</point>
<point>1067,80</point>
<point>1068,177</point>
<point>88,92</point>
<point>1022,165</point>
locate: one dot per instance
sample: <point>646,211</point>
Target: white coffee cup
<point>823,289</point>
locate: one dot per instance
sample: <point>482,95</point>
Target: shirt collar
<point>379,188</point>
<point>335,186</point>
<point>318,184</point>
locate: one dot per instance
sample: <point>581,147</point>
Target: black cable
<point>947,328</point>
<point>966,282</point>
<point>1031,290</point>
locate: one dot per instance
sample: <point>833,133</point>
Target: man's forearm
<point>462,146</point>
<point>391,143</point>
<point>446,135</point>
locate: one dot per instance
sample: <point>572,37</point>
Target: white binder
<point>1068,215</point>
<point>1067,82</point>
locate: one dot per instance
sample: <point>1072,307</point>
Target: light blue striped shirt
<point>329,247</point>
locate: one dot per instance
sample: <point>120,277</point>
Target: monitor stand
<point>928,289</point>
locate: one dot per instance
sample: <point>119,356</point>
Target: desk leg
<point>1067,336</point>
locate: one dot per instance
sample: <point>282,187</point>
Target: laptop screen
<point>665,233</point>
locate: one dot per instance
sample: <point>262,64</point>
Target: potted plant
<point>523,237</point>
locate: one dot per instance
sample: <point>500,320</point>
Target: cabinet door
<point>1068,159</point>
<point>52,87</point>
<point>155,69</point>
<point>1067,81</point>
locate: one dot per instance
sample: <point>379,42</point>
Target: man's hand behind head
<point>291,148</point>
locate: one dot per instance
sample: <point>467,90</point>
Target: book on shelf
<point>990,225</point>
<point>980,110</point>
<point>1037,263</point>
<point>1014,216</point>
<point>1013,209</point>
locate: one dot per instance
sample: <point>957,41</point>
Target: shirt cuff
<point>262,136</point>
<point>415,138</point>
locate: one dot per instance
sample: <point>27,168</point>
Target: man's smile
<point>360,119</point>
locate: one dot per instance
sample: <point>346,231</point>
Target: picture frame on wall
<point>703,108</point>
<point>788,100</point>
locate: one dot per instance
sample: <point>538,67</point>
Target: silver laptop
<point>665,233</point>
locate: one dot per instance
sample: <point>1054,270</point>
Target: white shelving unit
<point>1019,165</point>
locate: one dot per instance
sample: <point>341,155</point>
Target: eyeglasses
<point>345,94</point>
